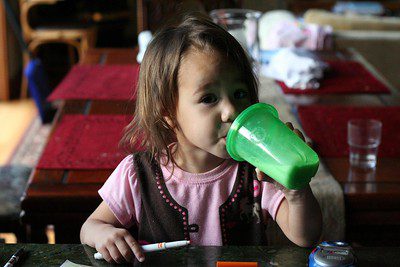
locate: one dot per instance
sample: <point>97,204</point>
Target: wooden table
<point>66,198</point>
<point>372,200</point>
<point>55,255</point>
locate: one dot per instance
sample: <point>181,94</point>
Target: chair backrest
<point>25,7</point>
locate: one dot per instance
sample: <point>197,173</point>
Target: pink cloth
<point>202,194</point>
<point>331,139</point>
<point>85,142</point>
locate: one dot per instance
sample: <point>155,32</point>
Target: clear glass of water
<point>241,24</point>
<point>363,137</point>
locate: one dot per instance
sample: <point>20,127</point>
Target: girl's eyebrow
<point>203,87</point>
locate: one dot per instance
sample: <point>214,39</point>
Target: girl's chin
<point>220,151</point>
<point>225,155</point>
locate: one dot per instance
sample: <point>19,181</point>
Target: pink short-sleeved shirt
<point>201,193</point>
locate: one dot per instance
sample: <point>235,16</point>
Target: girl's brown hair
<point>157,91</point>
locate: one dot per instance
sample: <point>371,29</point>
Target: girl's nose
<point>229,111</point>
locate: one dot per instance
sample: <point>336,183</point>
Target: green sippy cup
<point>259,137</point>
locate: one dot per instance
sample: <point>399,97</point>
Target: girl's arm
<point>299,217</point>
<point>103,231</point>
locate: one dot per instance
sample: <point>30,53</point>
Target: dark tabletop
<point>55,255</point>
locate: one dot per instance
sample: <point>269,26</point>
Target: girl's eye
<point>209,99</point>
<point>240,94</point>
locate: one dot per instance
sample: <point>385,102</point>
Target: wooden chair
<point>77,38</point>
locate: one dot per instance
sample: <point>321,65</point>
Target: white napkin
<point>69,263</point>
<point>296,68</point>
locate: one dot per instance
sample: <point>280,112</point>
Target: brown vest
<point>163,219</point>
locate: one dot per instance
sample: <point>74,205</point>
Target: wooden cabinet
<point>10,56</point>
<point>4,84</point>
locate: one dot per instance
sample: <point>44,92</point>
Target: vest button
<point>193,228</point>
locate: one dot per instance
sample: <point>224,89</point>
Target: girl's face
<point>211,95</point>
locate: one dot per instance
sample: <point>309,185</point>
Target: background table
<point>372,198</point>
<point>65,198</point>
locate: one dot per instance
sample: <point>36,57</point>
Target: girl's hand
<point>289,193</point>
<point>117,245</point>
<point>298,133</point>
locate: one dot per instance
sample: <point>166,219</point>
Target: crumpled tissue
<point>297,68</point>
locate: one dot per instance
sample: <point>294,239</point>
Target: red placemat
<point>327,127</point>
<point>85,142</point>
<point>97,82</point>
<point>343,77</point>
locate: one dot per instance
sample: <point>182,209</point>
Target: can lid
<point>239,121</point>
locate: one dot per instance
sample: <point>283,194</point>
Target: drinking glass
<point>241,24</point>
<point>364,137</point>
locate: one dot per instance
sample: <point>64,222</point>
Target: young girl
<point>194,80</point>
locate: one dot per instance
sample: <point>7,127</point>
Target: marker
<point>154,247</point>
<point>14,258</point>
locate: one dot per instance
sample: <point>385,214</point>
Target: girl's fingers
<point>125,250</point>
<point>290,125</point>
<point>115,254</point>
<point>299,134</point>
<point>265,178</point>
<point>106,255</point>
<point>309,144</point>
<point>296,131</point>
<point>135,247</point>
<point>259,175</point>
<point>262,177</point>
